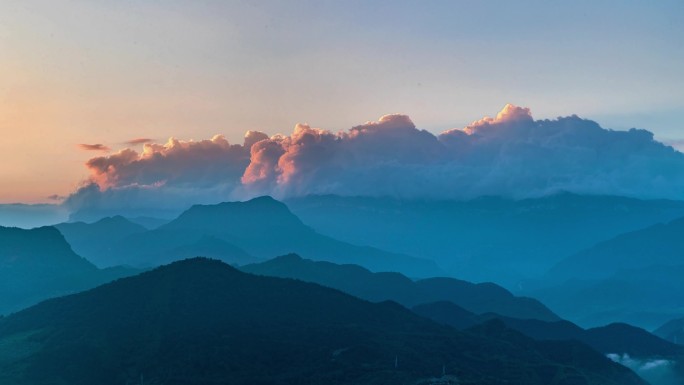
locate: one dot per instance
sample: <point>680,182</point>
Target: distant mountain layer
<point>635,277</point>
<point>646,297</point>
<point>237,233</point>
<point>88,239</point>
<point>200,321</point>
<point>613,338</point>
<point>485,239</point>
<point>38,264</point>
<point>355,280</point>
<point>660,244</point>
<point>149,222</point>
<point>672,331</point>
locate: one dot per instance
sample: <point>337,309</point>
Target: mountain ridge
<point>379,286</point>
<point>200,321</point>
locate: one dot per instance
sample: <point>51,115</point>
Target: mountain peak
<point>114,219</point>
<point>193,265</point>
<point>291,257</point>
<point>263,201</point>
<point>47,240</point>
<point>261,214</point>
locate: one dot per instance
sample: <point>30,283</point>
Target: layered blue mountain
<point>635,277</point>
<point>102,240</point>
<point>382,286</point>
<point>90,239</point>
<point>239,233</point>
<point>148,222</point>
<point>38,264</point>
<point>672,331</point>
<point>614,338</point>
<point>464,305</point>
<point>200,321</point>
<point>660,244</point>
<point>485,239</point>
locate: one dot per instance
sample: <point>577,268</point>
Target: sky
<point>80,78</point>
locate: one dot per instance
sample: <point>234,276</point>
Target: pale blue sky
<point>107,71</point>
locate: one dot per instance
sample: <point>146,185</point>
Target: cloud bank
<point>509,155</point>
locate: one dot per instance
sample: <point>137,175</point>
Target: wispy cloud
<point>56,197</point>
<point>137,141</point>
<point>94,147</point>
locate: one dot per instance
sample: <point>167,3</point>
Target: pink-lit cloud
<point>509,155</point>
<point>192,163</point>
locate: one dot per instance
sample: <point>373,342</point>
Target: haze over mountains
<point>235,232</point>
<point>250,233</point>
<point>568,260</point>
<point>657,245</point>
<point>331,192</point>
<point>489,238</point>
<point>29,216</point>
<point>38,264</point>
<point>635,277</point>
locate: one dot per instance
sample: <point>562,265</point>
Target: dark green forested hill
<point>200,321</point>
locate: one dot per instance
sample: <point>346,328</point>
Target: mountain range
<point>382,286</point>
<point>200,321</point>
<point>235,232</point>
<point>614,338</point>
<point>465,305</point>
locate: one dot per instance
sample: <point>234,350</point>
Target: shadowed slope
<point>200,321</point>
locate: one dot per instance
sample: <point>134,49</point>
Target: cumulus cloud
<point>509,155</point>
<point>164,176</point>
<point>176,162</point>
<point>136,141</point>
<point>94,147</point>
<point>508,115</point>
